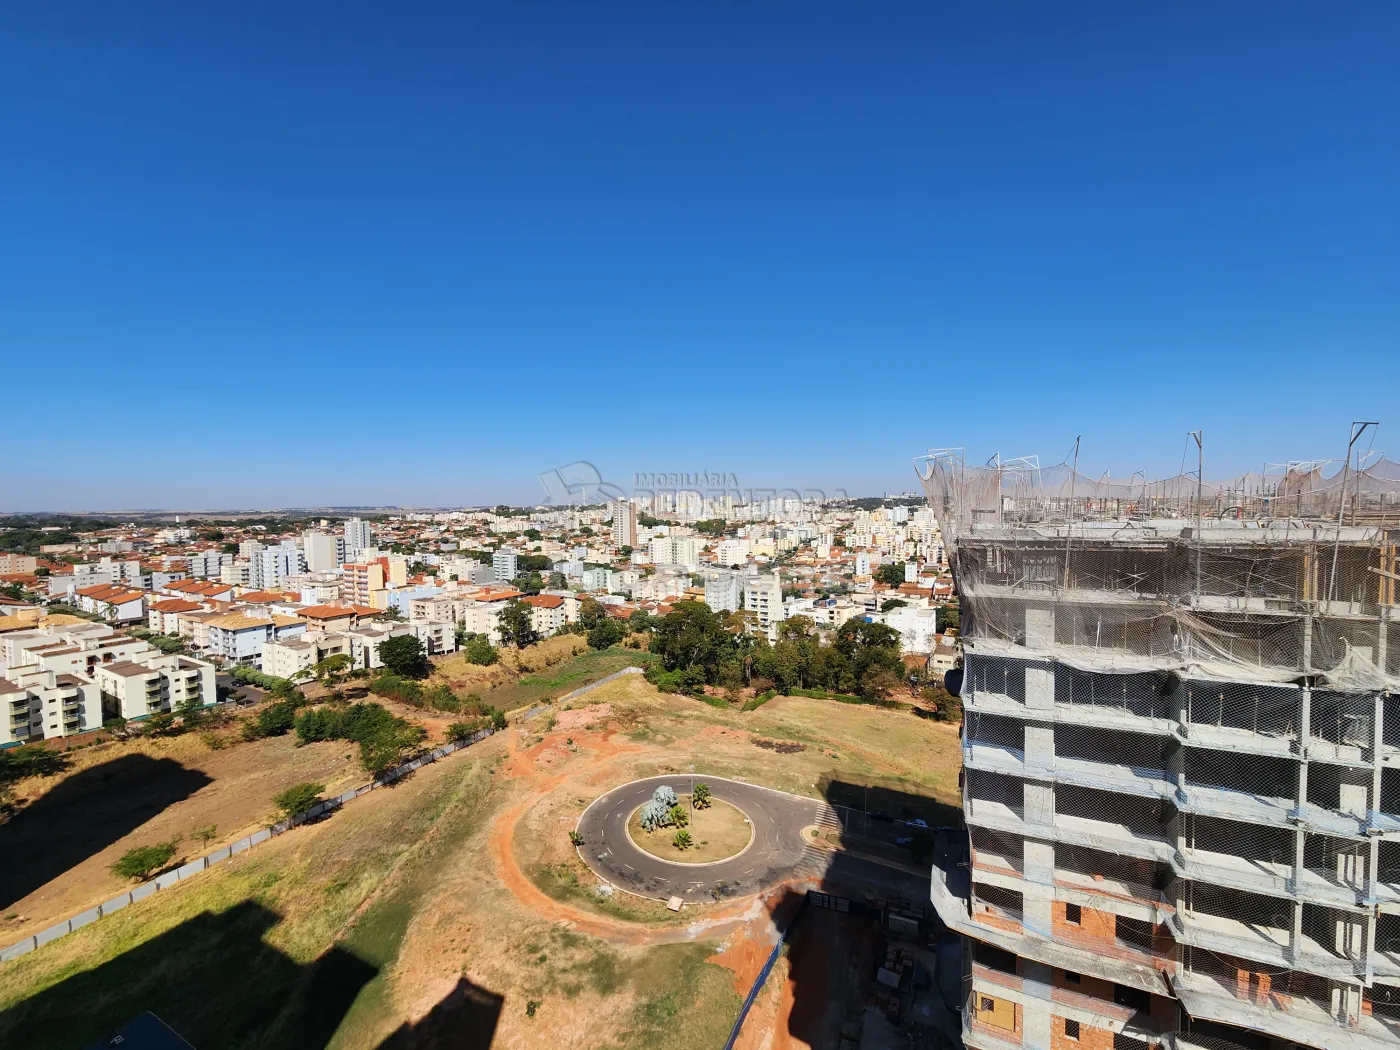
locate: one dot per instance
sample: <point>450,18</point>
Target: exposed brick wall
<point>1094,929</point>
<point>1090,1038</point>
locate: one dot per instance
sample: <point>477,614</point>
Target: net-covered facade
<point>1182,756</point>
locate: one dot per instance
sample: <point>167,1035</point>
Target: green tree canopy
<point>891,573</point>
<point>517,625</point>
<point>404,655</point>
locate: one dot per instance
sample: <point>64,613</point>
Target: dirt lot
<point>456,903</point>
<point>59,848</point>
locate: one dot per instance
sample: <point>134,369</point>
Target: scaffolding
<point>1181,721</point>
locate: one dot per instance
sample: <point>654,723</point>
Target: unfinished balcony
<point>1114,760</point>
<point>1297,1008</point>
<point>1326,942</point>
<point>1130,887</point>
<point>1254,788</point>
<point>1139,703</point>
<point>1246,717</point>
<point>1104,820</point>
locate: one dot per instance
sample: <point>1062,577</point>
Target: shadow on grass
<point>465,1019</point>
<point>85,814</point>
<point>213,979</point>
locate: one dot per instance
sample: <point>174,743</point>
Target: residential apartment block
<point>39,705</point>
<point>156,684</point>
<point>1182,759</point>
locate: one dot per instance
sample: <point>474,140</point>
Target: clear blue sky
<point>270,254</point>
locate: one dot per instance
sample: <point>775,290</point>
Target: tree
<point>480,651</point>
<point>557,582</point>
<point>206,834</point>
<point>392,613</point>
<point>517,624</point>
<point>692,636</point>
<point>191,711</point>
<point>605,633</point>
<point>871,652</point>
<point>299,798</point>
<point>700,797</point>
<point>893,603</point>
<point>949,618</point>
<point>712,527</point>
<point>590,612</point>
<point>404,655</point>
<point>891,573</point>
<point>276,719</point>
<point>144,861</point>
<point>679,817</point>
<point>682,839</point>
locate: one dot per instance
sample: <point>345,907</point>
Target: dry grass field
<point>455,901</point>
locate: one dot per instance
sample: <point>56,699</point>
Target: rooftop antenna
<point>1069,523</point>
<point>1200,473</point>
<point>1358,427</point>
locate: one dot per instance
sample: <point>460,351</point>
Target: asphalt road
<point>776,853</point>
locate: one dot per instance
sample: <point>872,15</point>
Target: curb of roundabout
<point>775,847</point>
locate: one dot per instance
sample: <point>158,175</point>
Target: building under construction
<point>1182,757</point>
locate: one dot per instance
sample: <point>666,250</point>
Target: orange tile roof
<point>326,612</point>
<point>543,601</point>
<point>262,597</point>
<point>171,605</point>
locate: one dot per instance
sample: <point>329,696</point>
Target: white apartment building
<point>660,585</point>
<point>763,596</point>
<point>40,705</point>
<point>238,637</point>
<point>208,563</point>
<point>547,613</point>
<point>274,564</point>
<point>503,564</point>
<point>323,552</point>
<point>599,580</point>
<point>732,552</point>
<point>237,573</point>
<point>158,684</point>
<point>676,550</point>
<point>291,656</point>
<point>358,538</point>
<point>917,627</point>
<point>724,591</point>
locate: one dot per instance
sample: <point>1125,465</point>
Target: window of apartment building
<point>1072,978</point>
<point>1071,1029</point>
<point>1073,914</point>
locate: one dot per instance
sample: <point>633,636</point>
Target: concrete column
<point>1038,861</point>
<point>1036,1013</point>
<point>1040,747</point>
<point>1039,803</point>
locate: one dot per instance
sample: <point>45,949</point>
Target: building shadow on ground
<point>466,1019</point>
<point>213,979</point>
<point>83,815</point>
<point>865,917</point>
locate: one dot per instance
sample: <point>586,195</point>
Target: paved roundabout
<point>776,852</point>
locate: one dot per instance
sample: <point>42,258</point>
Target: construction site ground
<point>456,901</point>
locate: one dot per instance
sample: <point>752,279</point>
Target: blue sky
<point>259,254</point>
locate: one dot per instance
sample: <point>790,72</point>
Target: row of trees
<point>699,647</point>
